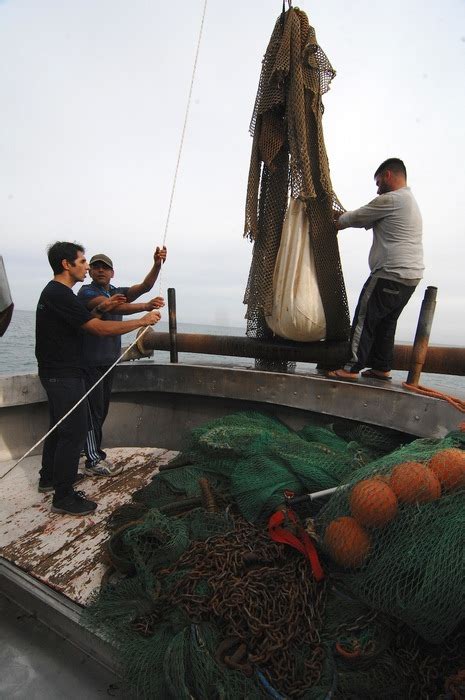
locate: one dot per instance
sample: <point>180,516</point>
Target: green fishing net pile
<point>252,459</point>
<point>199,603</point>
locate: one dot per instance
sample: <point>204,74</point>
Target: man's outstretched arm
<point>366,216</point>
<point>98,327</point>
<point>117,304</point>
<point>149,280</point>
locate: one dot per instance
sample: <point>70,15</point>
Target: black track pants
<point>99,402</point>
<point>60,457</point>
<point>374,326</point>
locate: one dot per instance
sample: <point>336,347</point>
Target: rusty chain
<point>265,600</point>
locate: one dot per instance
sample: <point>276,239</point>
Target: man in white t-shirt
<point>396,265</point>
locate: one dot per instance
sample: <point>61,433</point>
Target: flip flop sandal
<point>372,375</point>
<point>346,377</point>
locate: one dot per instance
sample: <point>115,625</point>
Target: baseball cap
<point>100,257</point>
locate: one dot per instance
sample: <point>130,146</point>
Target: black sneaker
<point>47,486</point>
<point>74,504</point>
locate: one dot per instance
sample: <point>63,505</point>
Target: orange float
<point>373,503</point>
<point>347,542</point>
<point>413,482</point>
<point>449,467</point>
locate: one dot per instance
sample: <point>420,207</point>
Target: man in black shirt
<point>60,322</point>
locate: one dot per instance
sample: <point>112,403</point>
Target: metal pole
<point>309,497</point>
<point>420,344</point>
<point>440,360</point>
<point>172,324</point>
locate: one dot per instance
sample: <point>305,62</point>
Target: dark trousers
<point>60,456</point>
<point>99,401</point>
<point>374,326</point>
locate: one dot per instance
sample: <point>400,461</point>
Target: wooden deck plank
<point>66,552</point>
<point>76,570</point>
<point>24,511</point>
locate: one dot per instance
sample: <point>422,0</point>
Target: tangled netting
<point>251,458</point>
<point>411,544</point>
<point>199,601</point>
<point>289,154</point>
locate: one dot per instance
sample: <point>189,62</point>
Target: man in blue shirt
<point>100,353</point>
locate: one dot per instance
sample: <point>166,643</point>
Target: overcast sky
<point>93,94</point>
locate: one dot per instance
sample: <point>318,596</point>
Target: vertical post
<point>420,344</point>
<point>172,324</point>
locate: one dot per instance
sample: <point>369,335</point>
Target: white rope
<point>189,99</point>
<point>183,133</point>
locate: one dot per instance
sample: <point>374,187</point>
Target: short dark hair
<point>395,164</point>
<point>62,250</point>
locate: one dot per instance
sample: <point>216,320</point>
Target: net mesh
<point>399,524</point>
<point>251,458</point>
<point>289,156</point>
<point>200,602</point>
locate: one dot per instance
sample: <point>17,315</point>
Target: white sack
<point>297,312</point>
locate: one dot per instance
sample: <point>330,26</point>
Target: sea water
<point>17,345</point>
<point>17,352</point>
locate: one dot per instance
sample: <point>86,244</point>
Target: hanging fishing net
<point>200,602</point>
<point>289,156</point>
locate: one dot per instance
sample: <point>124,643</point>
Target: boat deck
<point>33,670</point>
<point>66,553</point>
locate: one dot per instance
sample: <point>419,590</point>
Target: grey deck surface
<point>36,664</point>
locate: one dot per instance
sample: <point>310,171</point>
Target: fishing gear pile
<point>289,155</point>
<point>201,600</point>
<point>252,459</point>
